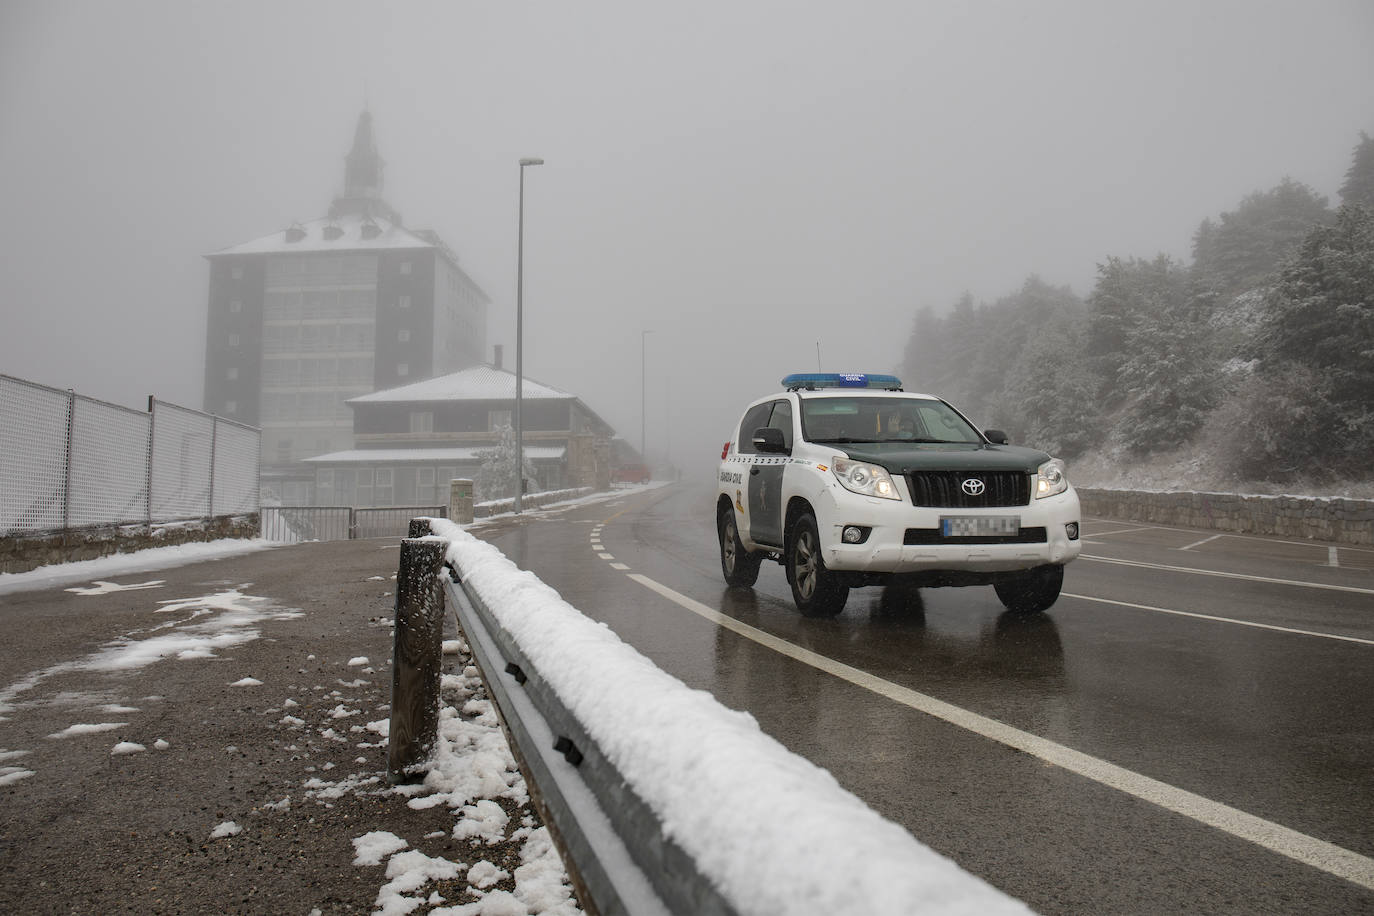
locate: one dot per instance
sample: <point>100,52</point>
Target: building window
<point>403,335</point>
<point>405,267</point>
<point>403,302</point>
<point>403,369</point>
<point>231,407</point>
<point>235,305</point>
<point>233,373</point>
<point>381,494</point>
<point>497,419</point>
<point>422,421</point>
<point>233,340</point>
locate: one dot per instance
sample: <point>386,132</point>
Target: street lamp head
<point>525,162</point>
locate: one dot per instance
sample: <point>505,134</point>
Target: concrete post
<point>417,658</point>
<point>460,501</point>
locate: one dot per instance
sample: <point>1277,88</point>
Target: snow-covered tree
<point>1358,189</point>
<point>496,478</point>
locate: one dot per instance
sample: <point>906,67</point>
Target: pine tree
<point>1242,251</point>
<point>1358,189</point>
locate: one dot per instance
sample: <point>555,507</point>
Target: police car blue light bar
<point>814,380</point>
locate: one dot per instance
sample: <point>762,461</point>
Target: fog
<point>749,182</point>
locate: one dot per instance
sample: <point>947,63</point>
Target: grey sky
<point>741,179</point>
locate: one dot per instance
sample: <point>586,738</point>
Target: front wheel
<point>817,591</point>
<point>739,566</point>
<point>1031,591</point>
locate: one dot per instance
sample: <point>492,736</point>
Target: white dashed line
<point>620,566</point>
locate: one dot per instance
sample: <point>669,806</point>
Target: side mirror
<point>996,436</point>
<point>768,439</point>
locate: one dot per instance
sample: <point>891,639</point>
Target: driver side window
<point>755,417</point>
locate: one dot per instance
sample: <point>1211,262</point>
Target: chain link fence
<point>69,461</point>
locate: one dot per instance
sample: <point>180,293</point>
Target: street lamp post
<point>520,340</point>
<point>643,455</point>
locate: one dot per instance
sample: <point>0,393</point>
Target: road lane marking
<point>605,556</point>
<point>1236,621</point>
<point>620,566</point>
<point>1229,575</point>
<point>1201,542</point>
<point>1331,558</point>
<point>1102,534</point>
<point>1328,857</point>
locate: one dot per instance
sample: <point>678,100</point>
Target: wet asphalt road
<point>1234,675</point>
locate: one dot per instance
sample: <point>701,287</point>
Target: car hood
<point>945,456</point>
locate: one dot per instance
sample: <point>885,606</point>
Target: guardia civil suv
<point>847,480</point>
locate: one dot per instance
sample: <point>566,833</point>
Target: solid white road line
<point>1332,859</point>
<point>1201,542</point>
<point>1228,575</point>
<point>1239,623</point>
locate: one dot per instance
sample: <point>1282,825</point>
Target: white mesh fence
<point>109,464</point>
<point>68,461</point>
<point>181,461</point>
<point>236,468</point>
<point>33,456</point>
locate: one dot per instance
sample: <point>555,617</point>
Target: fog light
<point>853,534</point>
<point>1071,529</point>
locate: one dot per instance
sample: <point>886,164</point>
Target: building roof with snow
<point>475,383</point>
<point>344,233</point>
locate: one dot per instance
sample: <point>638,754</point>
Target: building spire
<point>363,176</point>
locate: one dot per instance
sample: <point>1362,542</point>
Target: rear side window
<point>755,417</point>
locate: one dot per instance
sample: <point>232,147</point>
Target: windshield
<point>840,419</point>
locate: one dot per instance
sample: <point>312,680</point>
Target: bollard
<point>460,501</point>
<point>417,658</point>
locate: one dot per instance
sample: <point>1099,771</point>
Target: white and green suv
<point>847,480</point>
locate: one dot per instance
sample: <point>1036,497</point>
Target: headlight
<point>1050,479</point>
<point>864,479</point>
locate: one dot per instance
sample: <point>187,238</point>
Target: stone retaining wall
<point>1343,521</point>
<point>21,554</point>
<point>528,501</point>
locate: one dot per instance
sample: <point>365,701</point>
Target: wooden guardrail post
<point>417,657</point>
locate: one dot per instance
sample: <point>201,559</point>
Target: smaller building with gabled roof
<point>410,441</point>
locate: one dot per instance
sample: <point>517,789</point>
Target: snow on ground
<point>123,564</point>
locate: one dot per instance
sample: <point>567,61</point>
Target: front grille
<point>944,489</point>
<point>932,536</point>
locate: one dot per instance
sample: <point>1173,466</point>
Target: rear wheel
<point>817,591</point>
<point>739,566</point>
<point>1031,591</point>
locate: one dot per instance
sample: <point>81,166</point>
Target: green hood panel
<point>902,456</point>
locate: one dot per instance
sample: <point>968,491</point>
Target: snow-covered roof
<point>421,453</point>
<point>476,383</point>
<point>312,236</point>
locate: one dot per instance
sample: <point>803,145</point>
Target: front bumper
<point>885,550</point>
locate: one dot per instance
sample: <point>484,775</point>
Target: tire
<point>817,591</point>
<point>739,566</point>
<point>1032,591</point>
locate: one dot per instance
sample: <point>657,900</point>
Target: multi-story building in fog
<point>305,318</point>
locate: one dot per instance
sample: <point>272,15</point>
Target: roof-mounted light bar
<point>813,380</point>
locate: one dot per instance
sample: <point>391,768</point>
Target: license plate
<point>973,526</point>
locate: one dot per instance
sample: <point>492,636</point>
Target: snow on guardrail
<point>770,831</point>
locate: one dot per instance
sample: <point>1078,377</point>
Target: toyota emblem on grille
<point>973,486</point>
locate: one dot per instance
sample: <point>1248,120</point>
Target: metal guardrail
<point>621,861</point>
